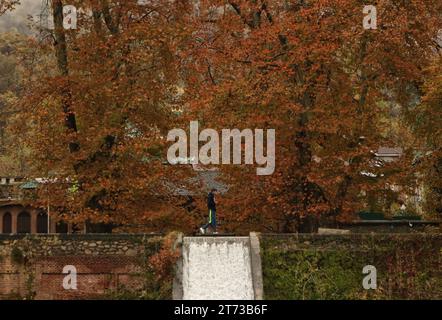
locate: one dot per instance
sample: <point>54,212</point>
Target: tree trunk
<point>62,63</point>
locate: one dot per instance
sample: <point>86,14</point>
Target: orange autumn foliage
<point>96,117</point>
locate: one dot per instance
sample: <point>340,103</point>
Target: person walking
<point>211,206</point>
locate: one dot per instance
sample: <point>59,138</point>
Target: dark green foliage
<point>371,215</point>
<point>17,255</point>
<point>319,267</point>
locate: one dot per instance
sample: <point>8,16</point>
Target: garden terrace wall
<point>392,226</point>
<point>108,266</point>
<point>304,266</point>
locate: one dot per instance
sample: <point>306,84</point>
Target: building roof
<point>207,179</point>
<point>389,152</point>
<point>29,185</point>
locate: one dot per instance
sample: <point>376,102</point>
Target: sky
<point>17,20</point>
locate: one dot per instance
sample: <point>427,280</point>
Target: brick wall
<point>32,266</point>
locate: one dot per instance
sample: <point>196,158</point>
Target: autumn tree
<point>98,105</point>
<point>97,117</point>
<point>426,119</point>
<point>13,49</point>
<point>311,71</point>
<point>6,5</point>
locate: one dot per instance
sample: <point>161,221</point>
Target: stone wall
<point>304,266</point>
<point>32,266</point>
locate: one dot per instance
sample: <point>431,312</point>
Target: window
<point>42,222</point>
<point>7,223</point>
<point>24,222</point>
<point>61,227</point>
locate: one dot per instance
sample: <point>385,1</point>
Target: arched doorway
<point>61,227</point>
<point>7,223</point>
<point>42,222</point>
<point>24,222</point>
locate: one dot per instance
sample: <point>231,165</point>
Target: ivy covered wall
<point>409,266</point>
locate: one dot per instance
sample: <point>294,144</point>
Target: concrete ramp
<point>218,268</point>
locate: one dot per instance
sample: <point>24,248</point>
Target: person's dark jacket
<point>211,201</point>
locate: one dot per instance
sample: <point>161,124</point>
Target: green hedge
<point>365,215</point>
<point>330,267</point>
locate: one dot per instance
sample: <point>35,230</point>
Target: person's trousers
<point>212,220</point>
